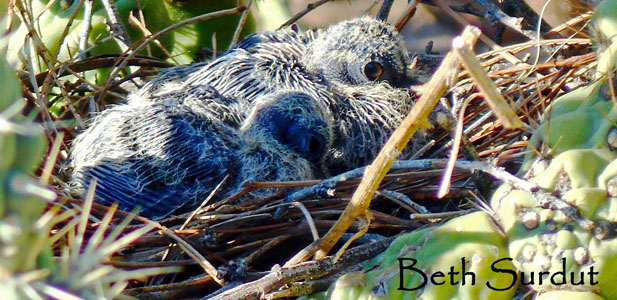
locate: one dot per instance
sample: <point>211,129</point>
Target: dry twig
<point>431,92</point>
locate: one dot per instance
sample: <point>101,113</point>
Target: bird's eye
<point>373,70</point>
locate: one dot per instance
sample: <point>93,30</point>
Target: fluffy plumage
<point>170,153</point>
<point>279,106</point>
<point>329,66</point>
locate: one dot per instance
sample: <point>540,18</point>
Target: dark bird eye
<point>373,70</point>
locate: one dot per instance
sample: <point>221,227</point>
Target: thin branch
<point>116,28</point>
<point>308,218</point>
<point>195,212</point>
<point>309,8</point>
<point>373,4</point>
<point>409,11</point>
<point>187,248</point>
<point>484,38</point>
<point>384,11</point>
<point>404,201</point>
<point>444,187</point>
<point>494,14</point>
<point>91,63</point>
<point>326,187</point>
<point>310,270</point>
<point>243,18</point>
<point>487,87</point>
<point>85,30</point>
<point>487,10</point>
<point>544,199</point>
<point>128,55</point>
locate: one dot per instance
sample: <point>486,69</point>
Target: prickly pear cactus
<point>570,295</point>
<point>582,119</point>
<point>587,117</point>
<point>470,244</point>
<point>574,245</point>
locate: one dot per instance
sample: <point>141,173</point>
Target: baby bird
<point>280,106</point>
<point>171,153</point>
<point>358,69</point>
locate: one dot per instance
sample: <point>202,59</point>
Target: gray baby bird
<point>279,106</point>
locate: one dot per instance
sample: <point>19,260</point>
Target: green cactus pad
<point>580,119</point>
<point>570,295</point>
<point>545,240</point>
<point>8,149</point>
<point>587,117</point>
<point>578,130</point>
<point>9,86</point>
<point>30,154</point>
<point>473,237</point>
<point>605,19</point>
<point>605,26</point>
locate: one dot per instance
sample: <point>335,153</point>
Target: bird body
<point>279,106</point>
<point>329,66</point>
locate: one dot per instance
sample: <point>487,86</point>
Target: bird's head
<point>365,66</point>
<point>291,120</point>
<point>358,52</point>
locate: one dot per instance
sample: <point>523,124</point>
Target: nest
<point>249,241</point>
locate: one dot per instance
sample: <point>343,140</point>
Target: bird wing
<point>163,157</point>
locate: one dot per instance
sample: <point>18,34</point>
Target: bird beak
<point>407,80</point>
